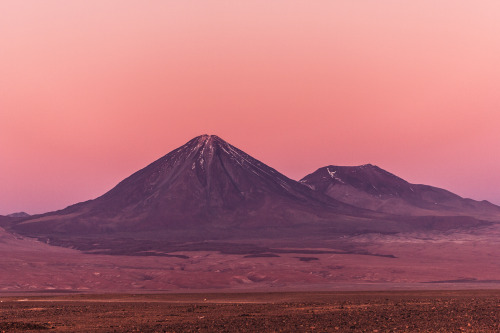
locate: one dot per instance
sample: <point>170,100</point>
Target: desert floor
<point>375,311</point>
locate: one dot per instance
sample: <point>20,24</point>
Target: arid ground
<point>415,311</point>
<point>394,262</point>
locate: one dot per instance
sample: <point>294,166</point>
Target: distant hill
<point>370,187</point>
<point>19,214</point>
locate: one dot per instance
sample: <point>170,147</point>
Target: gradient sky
<point>91,91</point>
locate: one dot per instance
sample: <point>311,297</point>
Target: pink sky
<point>91,91</point>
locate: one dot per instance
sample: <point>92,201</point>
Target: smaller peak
<point>345,167</point>
<point>363,166</point>
<point>19,214</point>
<point>367,166</point>
<point>370,167</point>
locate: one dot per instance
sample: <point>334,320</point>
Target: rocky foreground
<point>437,311</point>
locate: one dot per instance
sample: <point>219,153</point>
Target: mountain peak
<point>203,148</point>
<point>207,138</point>
<point>204,141</point>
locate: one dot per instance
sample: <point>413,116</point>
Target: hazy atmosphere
<point>91,91</point>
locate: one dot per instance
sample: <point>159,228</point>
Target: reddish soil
<point>431,311</point>
<point>418,261</point>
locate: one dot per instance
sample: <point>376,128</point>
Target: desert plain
<point>396,311</point>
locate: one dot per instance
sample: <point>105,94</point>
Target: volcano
<point>203,186</point>
<point>370,187</point>
<point>209,190</point>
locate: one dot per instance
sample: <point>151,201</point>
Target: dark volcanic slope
<point>368,186</point>
<point>204,183</point>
